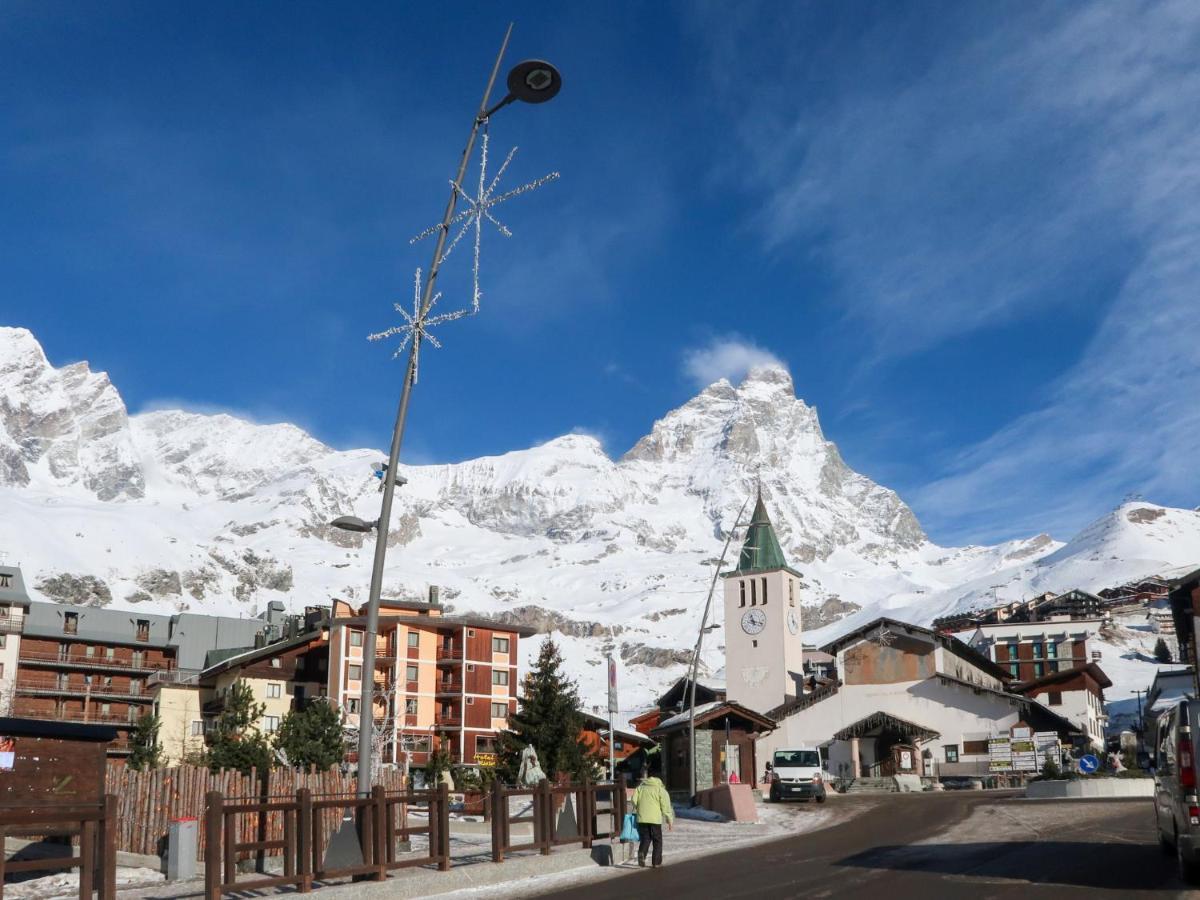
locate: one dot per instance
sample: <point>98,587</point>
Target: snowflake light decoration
<point>417,324</point>
<point>884,637</point>
<point>479,207</point>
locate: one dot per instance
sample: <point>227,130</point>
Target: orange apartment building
<point>442,681</point>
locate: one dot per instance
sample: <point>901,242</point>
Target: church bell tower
<point>763,646</point>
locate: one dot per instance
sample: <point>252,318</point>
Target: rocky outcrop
<point>160,583</point>
<point>833,609</point>
<point>654,657</point>
<point>545,621</point>
<point>78,590</point>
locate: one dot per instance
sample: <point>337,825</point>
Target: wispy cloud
<point>1029,163</point>
<point>730,358</point>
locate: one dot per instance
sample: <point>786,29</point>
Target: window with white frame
<point>356,638</point>
<point>410,706</point>
<point>410,672</point>
<point>499,645</point>
<point>274,691</point>
<point>499,710</point>
<point>354,672</point>
<point>414,638</point>
<point>270,724</point>
<point>499,676</point>
<point>197,727</point>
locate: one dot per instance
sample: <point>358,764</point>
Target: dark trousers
<point>650,834</point>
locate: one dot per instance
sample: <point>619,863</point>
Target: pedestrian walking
<point>652,805</point>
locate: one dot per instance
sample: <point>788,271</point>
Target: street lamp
<point>705,628</point>
<point>353,523</point>
<point>533,81</point>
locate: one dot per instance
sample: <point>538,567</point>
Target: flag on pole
<point>612,684</point>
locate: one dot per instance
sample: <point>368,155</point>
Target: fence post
<point>304,812</point>
<point>108,849</point>
<point>620,809</point>
<point>443,814</point>
<point>547,815</point>
<point>214,804</point>
<point>586,796</point>
<point>229,847</point>
<point>379,811</point>
<point>87,858</point>
<point>499,816</point>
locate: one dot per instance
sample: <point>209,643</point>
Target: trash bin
<point>181,850</point>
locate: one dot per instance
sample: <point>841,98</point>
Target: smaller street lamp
<point>531,81</point>
<point>354,523</point>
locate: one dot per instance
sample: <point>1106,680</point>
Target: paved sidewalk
<point>474,875</point>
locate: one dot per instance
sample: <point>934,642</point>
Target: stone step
<point>873,786</point>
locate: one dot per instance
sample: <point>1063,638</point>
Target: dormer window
<point>70,623</point>
<point>141,630</point>
<point>5,580</point>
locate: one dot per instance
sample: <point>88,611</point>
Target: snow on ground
<point>66,884</point>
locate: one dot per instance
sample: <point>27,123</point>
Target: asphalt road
<point>958,844</point>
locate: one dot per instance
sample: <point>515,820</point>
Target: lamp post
<point>532,81</point>
<point>696,653</point>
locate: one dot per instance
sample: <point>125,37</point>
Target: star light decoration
<point>479,207</point>
<point>416,326</point>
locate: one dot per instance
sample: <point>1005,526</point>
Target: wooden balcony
<point>49,687</point>
<point>33,659</point>
<point>447,654</point>
<point>448,688</point>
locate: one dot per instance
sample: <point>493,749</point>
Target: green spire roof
<point>761,552</point>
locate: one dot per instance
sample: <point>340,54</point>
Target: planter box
<point>1090,787</point>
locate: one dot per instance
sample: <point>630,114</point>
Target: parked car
<point>796,773</point>
<point>1176,804</point>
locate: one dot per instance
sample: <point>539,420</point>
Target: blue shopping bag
<point>629,830</point>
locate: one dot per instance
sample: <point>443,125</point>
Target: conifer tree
<point>237,743</point>
<point>548,718</point>
<point>1162,653</point>
<point>146,752</point>
<point>312,736</point>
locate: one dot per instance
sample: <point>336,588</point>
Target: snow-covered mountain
<point>170,510</point>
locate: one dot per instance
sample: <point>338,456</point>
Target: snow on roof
<point>683,716</point>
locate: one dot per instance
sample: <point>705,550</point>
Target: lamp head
<point>534,81</point>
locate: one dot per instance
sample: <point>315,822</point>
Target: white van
<point>1176,791</point>
<point>796,772</point>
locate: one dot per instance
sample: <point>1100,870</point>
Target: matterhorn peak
<point>773,375</point>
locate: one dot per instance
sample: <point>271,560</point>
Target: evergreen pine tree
<point>146,752</point>
<point>312,736</point>
<point>237,743</point>
<point>1162,653</point>
<point>547,718</point>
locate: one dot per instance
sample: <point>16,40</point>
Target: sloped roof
<point>715,710</point>
<point>1063,675</point>
<point>951,643</point>
<point>761,551</point>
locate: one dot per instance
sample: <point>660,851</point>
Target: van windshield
<point>787,759</point>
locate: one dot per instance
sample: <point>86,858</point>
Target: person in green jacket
<point>652,806</point>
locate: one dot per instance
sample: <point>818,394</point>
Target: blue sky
<point>971,230</point>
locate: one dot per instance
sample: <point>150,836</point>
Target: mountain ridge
<point>172,509</point>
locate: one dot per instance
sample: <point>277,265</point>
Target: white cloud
<point>1030,163</point>
<point>730,358</point>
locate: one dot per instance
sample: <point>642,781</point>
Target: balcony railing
<point>91,718</point>
<point>173,676</point>
<point>50,688</point>
<point>452,721</point>
<point>449,654</point>
<point>449,687</point>
<point>73,660</point>
<point>11,624</point>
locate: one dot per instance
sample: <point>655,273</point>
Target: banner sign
<point>612,685</point>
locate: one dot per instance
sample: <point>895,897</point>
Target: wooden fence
<point>91,824</point>
<point>149,801</point>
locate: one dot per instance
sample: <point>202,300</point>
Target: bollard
<point>181,849</point>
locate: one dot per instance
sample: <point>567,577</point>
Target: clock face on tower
<point>793,621</point>
<point>754,621</point>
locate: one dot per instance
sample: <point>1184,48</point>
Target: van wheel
<point>774,794</point>
<point>1167,848</point>
<point>820,798</point>
<point>1189,871</point>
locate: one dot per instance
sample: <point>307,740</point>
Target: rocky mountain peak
<point>62,428</point>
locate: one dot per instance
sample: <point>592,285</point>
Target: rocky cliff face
<point>63,428</point>
<point>172,510</point>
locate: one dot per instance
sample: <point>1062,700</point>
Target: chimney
<point>433,595</point>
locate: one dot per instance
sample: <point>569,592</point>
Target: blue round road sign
<point>1088,764</point>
